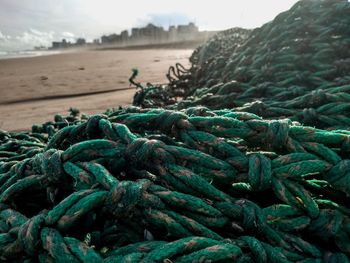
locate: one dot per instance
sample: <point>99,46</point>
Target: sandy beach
<point>33,90</point>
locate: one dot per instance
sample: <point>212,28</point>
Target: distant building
<point>135,32</point>
<point>150,34</point>
<point>58,45</point>
<point>187,29</point>
<point>104,39</point>
<point>172,33</point>
<point>65,44</point>
<point>80,42</point>
<point>124,35</point>
<point>187,32</point>
<point>114,38</point>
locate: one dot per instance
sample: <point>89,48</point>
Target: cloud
<point>165,19</point>
<point>31,38</point>
<point>35,19</point>
<point>36,32</point>
<point>67,34</point>
<point>4,37</point>
<point>70,37</point>
<point>35,37</point>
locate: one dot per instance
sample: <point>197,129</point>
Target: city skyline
<point>149,34</point>
<point>24,24</point>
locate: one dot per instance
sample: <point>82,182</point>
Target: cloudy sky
<point>26,23</point>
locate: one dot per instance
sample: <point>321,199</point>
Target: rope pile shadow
<point>296,66</point>
<point>158,185</point>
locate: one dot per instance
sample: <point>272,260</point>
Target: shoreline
<point>6,55</point>
<point>63,96</point>
<point>34,89</point>
<point>30,54</point>
<point>171,45</point>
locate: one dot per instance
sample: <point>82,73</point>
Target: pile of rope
<point>219,46</point>
<point>198,184</point>
<point>296,66</point>
<point>180,79</point>
<point>158,185</point>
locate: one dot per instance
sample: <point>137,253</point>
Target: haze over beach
<point>30,87</point>
<point>25,24</point>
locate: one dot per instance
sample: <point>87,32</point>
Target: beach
<point>34,89</point>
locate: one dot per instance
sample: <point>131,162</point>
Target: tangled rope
<point>142,185</point>
<point>198,184</point>
<point>296,67</point>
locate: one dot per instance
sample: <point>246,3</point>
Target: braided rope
<point>202,184</point>
<point>296,67</point>
<point>155,185</point>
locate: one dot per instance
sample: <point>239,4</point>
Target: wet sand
<point>33,90</point>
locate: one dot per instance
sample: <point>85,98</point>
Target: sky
<point>28,23</point>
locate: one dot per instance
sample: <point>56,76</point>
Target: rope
<point>294,67</point>
<point>195,182</point>
<point>175,186</point>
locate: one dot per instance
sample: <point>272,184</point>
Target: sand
<point>33,90</point>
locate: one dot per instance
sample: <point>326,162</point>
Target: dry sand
<point>29,86</point>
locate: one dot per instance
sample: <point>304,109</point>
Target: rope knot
<point>259,175</point>
<point>253,217</point>
<point>278,133</point>
<point>92,126</point>
<point>143,152</point>
<point>29,234</point>
<point>125,196</point>
<point>172,120</point>
<point>50,164</point>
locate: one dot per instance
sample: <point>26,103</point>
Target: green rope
<point>191,183</point>
<point>201,184</point>
<point>295,66</point>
